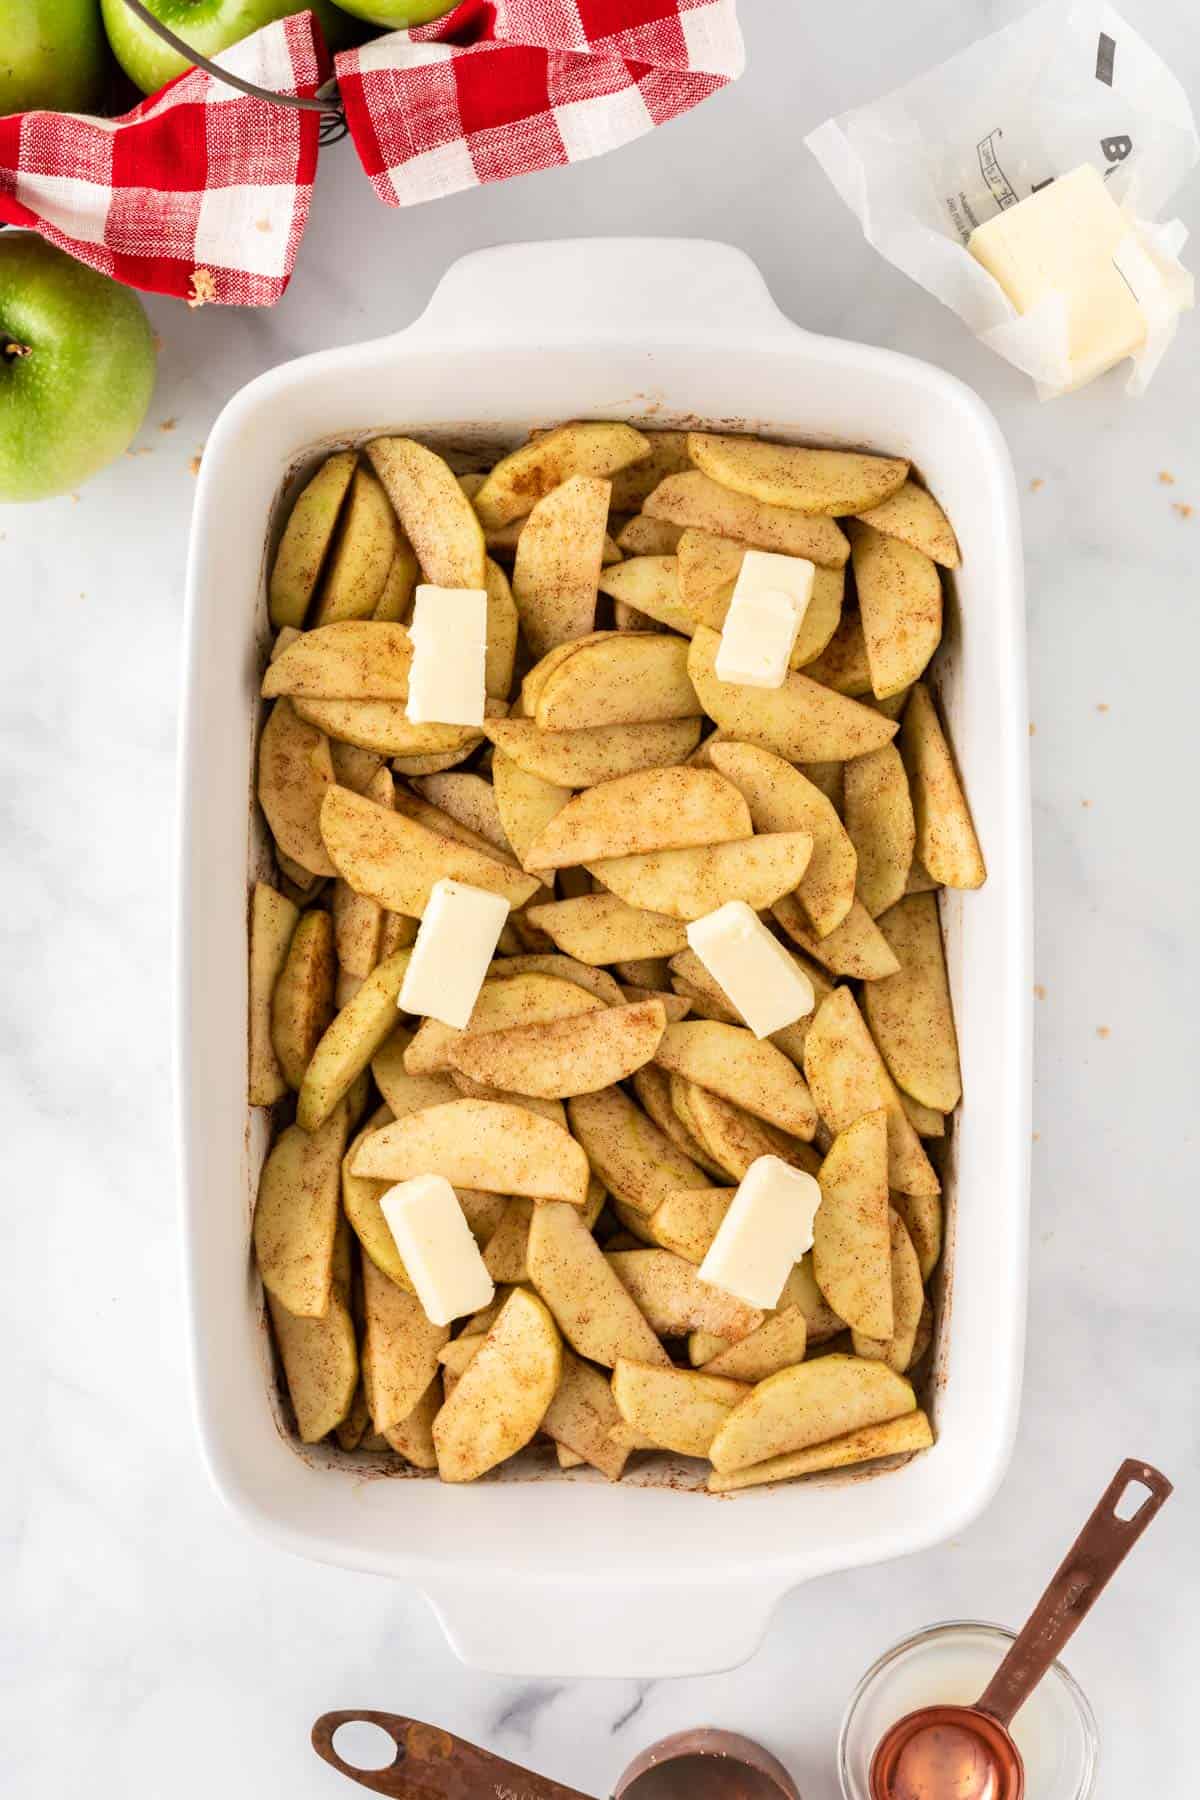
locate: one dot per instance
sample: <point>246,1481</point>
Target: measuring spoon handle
<point>432,1764</point>
<point>1073,1590</point>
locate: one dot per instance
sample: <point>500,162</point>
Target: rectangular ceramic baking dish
<point>576,1577</point>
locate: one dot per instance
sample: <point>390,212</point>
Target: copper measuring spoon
<point>967,1752</point>
<point>432,1764</point>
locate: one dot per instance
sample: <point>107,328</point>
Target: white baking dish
<point>576,1577</point>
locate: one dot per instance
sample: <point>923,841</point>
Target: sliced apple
<point>910,1013</point>
<point>732,1137</point>
<point>908,1302</point>
<point>620,678</point>
<point>502,1003</point>
<point>914,516</point>
<point>502,628</point>
<point>349,1043</point>
<point>687,884</point>
<point>567,1057</point>
<point>813,481</point>
<point>395,604</point>
<point>729,1060</point>
<point>384,726</point>
<point>856,947</point>
<point>843,665</point>
<point>396,861</point>
<point>879,819</point>
<point>673,1299</point>
<point>649,585</point>
<point>302,1004</point>
<point>947,846</point>
<point>687,1220</point>
<point>674,1409</point>
<point>357,659</point>
<point>296,1214</point>
<point>295,772</point>
<point>778,1343</point>
<point>470,801</point>
<point>696,500</point>
<point>780,798</point>
<point>361,557</point>
<point>641,536</point>
<point>600,928</point>
<point>851,1245</point>
<point>847,1078</point>
<point>306,539</point>
<point>438,519</point>
<point>558,560</point>
<point>637,1164</point>
<point>897,1437</point>
<point>399,1349</point>
<point>900,604</point>
<point>656,809</point>
<point>652,1086</point>
<point>527,803</point>
<point>579,759</point>
<point>633,483</point>
<point>273,919</point>
<point>580,1418</point>
<point>480,1144</point>
<point>595,1313</point>
<point>809,1404</point>
<point>589,448</point>
<point>320,1356</point>
<point>801,721</point>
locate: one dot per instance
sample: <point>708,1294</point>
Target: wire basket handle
<point>325,101</point>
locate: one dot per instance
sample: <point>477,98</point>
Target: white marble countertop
<point>151,1646</point>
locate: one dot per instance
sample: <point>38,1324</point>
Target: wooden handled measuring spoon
<point>967,1752</point>
<point>432,1764</point>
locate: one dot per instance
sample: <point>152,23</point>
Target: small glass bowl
<point>1055,1730</point>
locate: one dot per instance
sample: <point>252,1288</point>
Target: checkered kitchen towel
<point>502,87</point>
<point>203,192</point>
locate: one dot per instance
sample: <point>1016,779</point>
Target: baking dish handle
<point>584,290</point>
<point>621,1630</point>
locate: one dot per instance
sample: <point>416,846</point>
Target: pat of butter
<point>456,941</point>
<point>766,1231</point>
<point>770,598</point>
<point>766,986</point>
<point>441,1256</point>
<point>1063,240</point>
<point>449,643</point>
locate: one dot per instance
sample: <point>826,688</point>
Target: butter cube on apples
<point>456,941</point>
<point>770,598</point>
<point>446,682</point>
<point>440,1254</point>
<point>766,986</point>
<point>768,1228</point>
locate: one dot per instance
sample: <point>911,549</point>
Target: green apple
<point>52,55</point>
<point>398,14</point>
<point>209,26</point>
<point>77,369</point>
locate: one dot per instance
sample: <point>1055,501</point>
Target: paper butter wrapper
<point>1069,83</point>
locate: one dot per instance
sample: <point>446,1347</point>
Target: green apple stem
<point>13,351</point>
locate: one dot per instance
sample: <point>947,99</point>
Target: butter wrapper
<point>1069,84</point>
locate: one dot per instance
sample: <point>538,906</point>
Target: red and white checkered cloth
<point>200,192</point>
<point>203,192</point>
<point>502,87</point>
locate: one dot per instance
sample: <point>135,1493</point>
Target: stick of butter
<point>770,599</point>
<point>446,683</point>
<point>1064,240</point>
<point>441,1256</point>
<point>768,1228</point>
<point>456,941</point>
<point>766,986</point>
